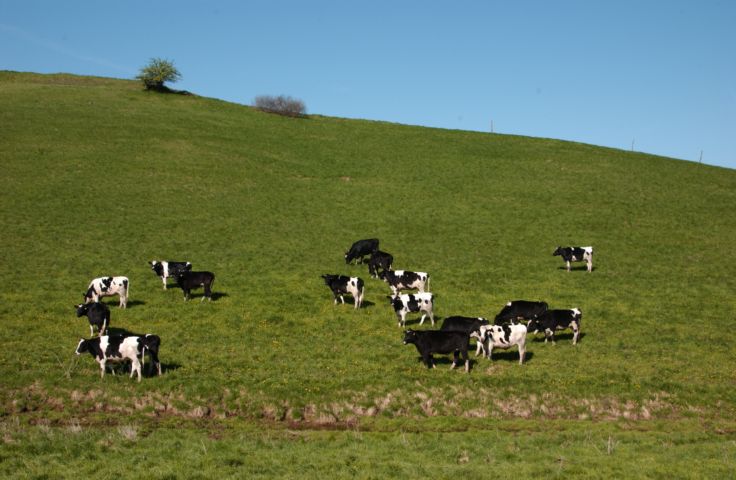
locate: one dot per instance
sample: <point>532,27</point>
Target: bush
<point>282,105</point>
<point>157,72</point>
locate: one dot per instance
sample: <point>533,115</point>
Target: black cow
<point>405,280</point>
<point>520,310</point>
<point>168,268</point>
<point>360,249</point>
<point>463,324</point>
<point>439,341</point>
<point>552,320</point>
<point>381,260</point>
<point>341,284</point>
<point>151,344</point>
<point>575,254</point>
<point>188,280</point>
<point>98,315</point>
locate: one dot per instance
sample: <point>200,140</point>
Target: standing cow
<point>168,268</point>
<point>188,281</point>
<point>575,254</point>
<point>107,287</point>
<point>341,284</point>
<point>98,315</point>
<point>413,302</point>
<point>553,320</point>
<point>116,348</point>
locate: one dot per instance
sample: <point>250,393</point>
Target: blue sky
<point>660,75</point>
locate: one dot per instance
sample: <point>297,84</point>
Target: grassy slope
<point>100,177</point>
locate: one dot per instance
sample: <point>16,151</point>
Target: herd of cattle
<point>123,347</point>
<point>507,330</point>
<point>510,325</point>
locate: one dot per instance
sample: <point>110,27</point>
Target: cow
<point>379,259</point>
<point>413,302</point>
<point>107,287</point>
<point>501,336</point>
<point>168,268</point>
<point>188,280</point>
<point>553,320</point>
<point>360,249</point>
<point>116,349</point>
<point>575,254</point>
<point>439,341</point>
<point>98,315</point>
<point>341,284</point>
<point>405,280</point>
<point>516,310</point>
<point>463,324</point>
<point>151,344</point>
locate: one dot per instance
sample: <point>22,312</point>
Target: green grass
<point>100,177</point>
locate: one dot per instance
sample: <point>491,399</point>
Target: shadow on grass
<point>444,361</point>
<point>511,355</point>
<point>559,337</point>
<point>582,268</point>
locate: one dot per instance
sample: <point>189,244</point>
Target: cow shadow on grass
<point>511,355</point>
<point>582,268</point>
<point>112,304</point>
<point>445,361</point>
<point>559,337</point>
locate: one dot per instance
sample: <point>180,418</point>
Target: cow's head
<point>157,267</point>
<point>410,336</point>
<point>81,309</point>
<point>82,346</point>
<point>558,251</point>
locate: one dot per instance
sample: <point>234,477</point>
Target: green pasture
<point>99,177</point>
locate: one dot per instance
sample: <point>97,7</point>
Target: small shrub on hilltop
<point>157,72</point>
<point>281,105</point>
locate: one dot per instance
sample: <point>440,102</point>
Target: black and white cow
<point>360,249</point>
<point>188,280</point>
<point>413,302</point>
<point>516,310</point>
<point>501,336</point>
<point>98,315</point>
<point>116,349</point>
<point>405,280</point>
<point>553,320</point>
<point>168,268</point>
<point>107,287</point>
<point>341,284</point>
<point>379,259</point>
<point>576,254</point>
<point>443,342</point>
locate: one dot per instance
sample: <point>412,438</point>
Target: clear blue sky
<point>658,74</point>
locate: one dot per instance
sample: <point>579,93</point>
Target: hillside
<point>100,177</point>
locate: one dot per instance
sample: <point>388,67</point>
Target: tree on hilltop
<point>157,72</point>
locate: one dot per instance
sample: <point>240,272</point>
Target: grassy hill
<point>270,378</point>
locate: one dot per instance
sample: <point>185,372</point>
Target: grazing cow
<point>501,336</point>
<point>98,315</point>
<point>341,284</point>
<point>405,280</point>
<point>576,254</point>
<point>107,287</point>
<point>413,302</point>
<point>167,268</point>
<point>114,348</point>
<point>360,249</point>
<point>188,280</point>
<point>439,341</point>
<point>380,260</point>
<point>520,310</point>
<point>553,320</point>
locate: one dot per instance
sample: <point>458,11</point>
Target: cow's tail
<point>428,277</point>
